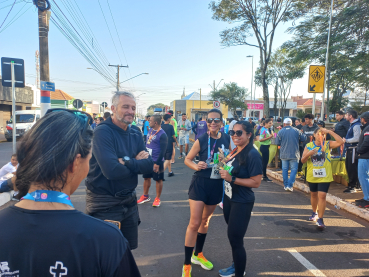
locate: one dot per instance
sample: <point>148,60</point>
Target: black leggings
<point>237,216</point>
<point>264,149</point>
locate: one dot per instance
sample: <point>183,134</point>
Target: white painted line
<point>309,266</point>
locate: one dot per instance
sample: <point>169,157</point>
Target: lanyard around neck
<point>210,153</point>
<point>230,156</point>
<point>153,135</point>
<point>49,196</point>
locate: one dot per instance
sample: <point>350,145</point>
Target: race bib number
<point>228,189</point>
<point>319,173</point>
<point>149,150</point>
<point>215,172</point>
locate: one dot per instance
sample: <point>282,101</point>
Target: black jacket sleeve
<point>127,266</point>
<point>144,166</point>
<point>163,148</point>
<point>363,147</point>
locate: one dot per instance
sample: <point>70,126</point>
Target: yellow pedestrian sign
<point>316,78</point>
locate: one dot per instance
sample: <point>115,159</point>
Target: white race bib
<point>319,173</point>
<point>215,172</point>
<point>150,151</point>
<point>228,189</point>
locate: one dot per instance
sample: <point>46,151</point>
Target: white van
<point>25,119</point>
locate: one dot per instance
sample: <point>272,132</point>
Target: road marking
<point>309,266</point>
<point>302,238</point>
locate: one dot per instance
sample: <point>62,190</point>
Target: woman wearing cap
<point>319,170</point>
<point>59,240</point>
<point>206,190</point>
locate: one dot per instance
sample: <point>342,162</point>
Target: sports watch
<point>126,160</point>
<point>233,180</point>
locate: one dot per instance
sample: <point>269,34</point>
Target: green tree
<point>232,96</point>
<point>300,114</point>
<point>150,109</point>
<point>258,20</point>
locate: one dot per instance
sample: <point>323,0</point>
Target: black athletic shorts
<point>209,191</point>
<point>168,154</point>
<point>157,176</point>
<point>314,187</point>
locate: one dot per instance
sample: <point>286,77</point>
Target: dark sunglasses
<point>238,133</point>
<point>87,117</point>
<point>210,120</point>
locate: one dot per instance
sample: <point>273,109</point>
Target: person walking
<point>342,125</point>
<point>351,141</point>
<point>289,139</point>
<point>156,144</point>
<point>205,192</point>
<point>265,141</point>
<point>173,122</point>
<point>172,140</point>
<point>200,128</point>
<point>146,127</point>
<point>184,127</point>
<point>239,198</point>
<point>319,170</point>
<point>59,239</point>
<point>118,156</point>
<point>363,163</point>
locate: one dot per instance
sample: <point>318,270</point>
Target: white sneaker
<point>290,189</point>
<point>285,188</point>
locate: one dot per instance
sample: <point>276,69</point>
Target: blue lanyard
<point>49,196</point>
<point>210,154</point>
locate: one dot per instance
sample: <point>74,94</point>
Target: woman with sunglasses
<point>59,240</point>
<point>265,141</point>
<point>206,190</point>
<point>244,173</point>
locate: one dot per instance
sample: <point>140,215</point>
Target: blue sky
<point>176,42</point>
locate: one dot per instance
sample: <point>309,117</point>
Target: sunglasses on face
<point>210,120</point>
<point>87,117</point>
<point>238,133</point>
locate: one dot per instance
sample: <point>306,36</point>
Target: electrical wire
<point>15,19</point>
<point>8,14</point>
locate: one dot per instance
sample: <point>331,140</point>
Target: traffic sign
<point>216,104</point>
<point>49,86</point>
<point>316,78</point>
<point>77,104</point>
<point>104,104</point>
<point>7,74</point>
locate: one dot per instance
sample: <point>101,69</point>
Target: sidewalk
<point>2,136</point>
<point>335,196</point>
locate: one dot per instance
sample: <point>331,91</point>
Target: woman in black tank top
<point>205,192</point>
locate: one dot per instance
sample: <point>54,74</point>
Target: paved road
<point>279,242</point>
<point>6,150</point>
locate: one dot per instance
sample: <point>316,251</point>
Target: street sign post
<point>49,86</point>
<point>77,103</point>
<point>104,105</point>
<point>216,104</point>
<point>12,71</point>
<point>46,87</point>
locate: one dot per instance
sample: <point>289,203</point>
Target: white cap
<point>287,121</point>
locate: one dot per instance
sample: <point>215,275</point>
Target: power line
<point>15,19</point>
<point>8,14</point>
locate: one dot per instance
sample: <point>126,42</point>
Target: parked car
<point>254,119</point>
<point>24,120</point>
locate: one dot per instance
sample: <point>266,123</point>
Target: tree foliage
<point>150,109</point>
<point>231,95</point>
<point>256,23</point>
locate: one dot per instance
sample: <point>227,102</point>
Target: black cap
<point>320,122</point>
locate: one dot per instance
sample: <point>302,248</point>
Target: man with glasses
<point>184,127</point>
<point>118,156</point>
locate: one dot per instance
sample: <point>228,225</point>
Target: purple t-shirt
<point>154,144</point>
<point>201,129</point>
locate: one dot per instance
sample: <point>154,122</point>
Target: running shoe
<point>362,204</point>
<point>228,272</point>
<point>320,223</point>
<point>266,179</point>
<point>180,157</point>
<point>285,188</point>
<point>186,271</point>
<point>156,202</point>
<point>313,217</point>
<point>350,190</point>
<point>290,189</point>
<point>220,205</point>
<point>359,200</point>
<point>143,199</point>
<point>170,174</point>
<point>202,261</point>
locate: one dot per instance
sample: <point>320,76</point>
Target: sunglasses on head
<point>238,133</point>
<point>210,120</point>
<point>87,117</point>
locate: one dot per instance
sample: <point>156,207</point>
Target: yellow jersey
<point>319,169</point>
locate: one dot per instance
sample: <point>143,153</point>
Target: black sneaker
<point>359,200</point>
<point>170,174</point>
<point>266,179</point>
<point>350,190</point>
<point>362,204</point>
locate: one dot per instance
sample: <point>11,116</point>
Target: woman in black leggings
<point>246,173</point>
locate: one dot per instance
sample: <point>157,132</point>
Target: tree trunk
<point>265,88</point>
<point>275,97</point>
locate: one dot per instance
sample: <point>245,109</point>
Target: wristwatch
<point>233,180</point>
<point>126,160</point>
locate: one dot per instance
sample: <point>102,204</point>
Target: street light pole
<point>252,80</point>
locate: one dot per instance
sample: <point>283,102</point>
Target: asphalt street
<point>280,241</point>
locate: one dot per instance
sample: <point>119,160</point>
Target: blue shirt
<point>146,125</point>
<point>289,139</point>
<point>226,129</point>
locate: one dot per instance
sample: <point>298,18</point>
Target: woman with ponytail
<point>244,172</point>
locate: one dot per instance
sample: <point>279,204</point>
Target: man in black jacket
<point>363,155</point>
<point>118,156</point>
<point>342,124</point>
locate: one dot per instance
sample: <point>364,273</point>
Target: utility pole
<point>118,66</point>
<point>43,34</point>
<point>200,100</point>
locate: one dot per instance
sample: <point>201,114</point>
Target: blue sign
<point>49,86</point>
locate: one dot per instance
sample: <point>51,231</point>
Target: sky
<point>176,42</point>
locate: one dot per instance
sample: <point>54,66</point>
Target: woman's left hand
<point>225,175</point>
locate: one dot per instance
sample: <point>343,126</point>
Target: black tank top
<point>203,140</point>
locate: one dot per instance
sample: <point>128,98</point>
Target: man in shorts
<point>156,144</point>
<point>169,130</point>
<point>184,127</point>
<point>173,122</point>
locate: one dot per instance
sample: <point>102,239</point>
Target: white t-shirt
<point>8,168</point>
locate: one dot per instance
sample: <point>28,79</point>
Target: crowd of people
<point>66,147</point>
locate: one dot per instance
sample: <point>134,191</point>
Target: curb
<point>5,197</point>
<point>331,199</point>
